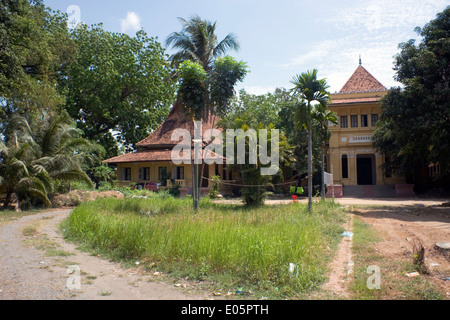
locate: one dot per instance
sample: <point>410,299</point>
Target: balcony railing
<point>361,139</point>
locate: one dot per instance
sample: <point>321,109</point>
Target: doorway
<point>366,169</point>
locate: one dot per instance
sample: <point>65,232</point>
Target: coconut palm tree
<point>197,41</point>
<point>37,152</point>
<point>323,117</point>
<point>309,90</point>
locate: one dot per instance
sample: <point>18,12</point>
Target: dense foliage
<point>414,130</point>
<point>118,87</point>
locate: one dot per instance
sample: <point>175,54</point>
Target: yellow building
<point>352,159</point>
<point>151,166</point>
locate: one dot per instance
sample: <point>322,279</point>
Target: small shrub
<point>214,190</point>
<point>175,190</point>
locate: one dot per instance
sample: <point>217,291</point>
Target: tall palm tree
<point>323,116</point>
<point>309,89</point>
<point>197,41</point>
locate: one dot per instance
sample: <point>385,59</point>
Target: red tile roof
<point>177,119</point>
<point>362,81</point>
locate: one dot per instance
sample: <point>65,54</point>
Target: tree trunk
<point>322,191</point>
<point>310,184</point>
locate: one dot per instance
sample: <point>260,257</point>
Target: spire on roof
<point>360,63</point>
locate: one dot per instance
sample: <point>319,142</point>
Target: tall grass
<point>252,244</point>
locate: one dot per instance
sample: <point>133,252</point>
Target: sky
<point>279,39</point>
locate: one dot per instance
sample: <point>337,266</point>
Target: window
<point>374,119</point>
<point>162,174</point>
<point>126,174</point>
<point>344,167</point>
<point>144,174</point>
<point>344,122</point>
<point>388,167</point>
<point>364,120</point>
<point>180,173</point>
<point>354,121</point>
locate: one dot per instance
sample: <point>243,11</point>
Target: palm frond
<point>229,42</point>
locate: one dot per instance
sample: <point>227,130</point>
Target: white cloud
<point>372,29</point>
<point>132,23</point>
<point>373,16</point>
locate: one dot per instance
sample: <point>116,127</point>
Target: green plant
<point>234,242</point>
<point>214,189</point>
<point>174,190</point>
<point>39,150</point>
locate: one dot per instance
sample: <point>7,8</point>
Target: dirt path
<point>35,263</point>
<point>341,267</point>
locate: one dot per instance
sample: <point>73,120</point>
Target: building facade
<point>352,159</point>
<point>151,166</point>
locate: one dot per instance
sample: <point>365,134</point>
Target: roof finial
<point>360,63</point>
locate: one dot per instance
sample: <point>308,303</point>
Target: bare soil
<point>402,228</point>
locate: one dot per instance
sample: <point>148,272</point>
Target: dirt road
<point>37,264</point>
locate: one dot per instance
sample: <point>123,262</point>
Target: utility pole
<point>197,148</point>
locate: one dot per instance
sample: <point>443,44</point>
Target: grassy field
<point>229,243</point>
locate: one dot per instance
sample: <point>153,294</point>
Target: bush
<point>175,190</point>
<point>214,190</point>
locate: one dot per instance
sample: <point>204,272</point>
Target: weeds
<point>250,244</point>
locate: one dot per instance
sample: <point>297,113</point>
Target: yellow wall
<point>355,142</point>
<point>154,172</point>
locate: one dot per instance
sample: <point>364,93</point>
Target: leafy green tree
<point>197,41</point>
<point>102,175</point>
<point>414,128</point>
<point>309,89</point>
<point>118,87</point>
<point>255,186</point>
<point>193,90</point>
<point>37,152</point>
<point>253,109</point>
<point>35,48</point>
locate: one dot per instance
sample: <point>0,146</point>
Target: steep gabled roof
<point>177,119</point>
<point>362,81</point>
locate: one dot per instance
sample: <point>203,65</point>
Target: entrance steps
<point>370,191</point>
